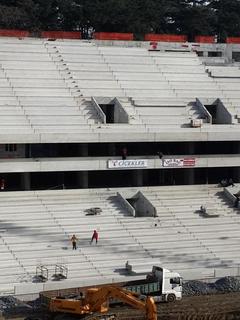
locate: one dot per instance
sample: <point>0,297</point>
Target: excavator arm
<point>95,301</point>
<point>102,294</point>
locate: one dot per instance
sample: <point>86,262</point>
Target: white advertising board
<point>127,164</point>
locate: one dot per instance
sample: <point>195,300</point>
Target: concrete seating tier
<point>177,61</point>
<point>36,83</point>
<point>140,128</point>
<point>139,76</point>
<point>111,51</point>
<point>41,92</point>
<point>158,102</point>
<point>129,85</point>
<point>66,49</point>
<point>28,65</point>
<point>66,74</point>
<point>36,227</point>
<point>161,110</point>
<point>103,92</point>
<point>53,110</point>
<point>166,119</point>
<point>207,85</point>
<point>32,74</point>
<point>182,69</point>
<point>183,76</point>
<point>173,54</point>
<point>224,72</point>
<point>86,58</point>
<point>33,56</point>
<point>85,84</point>
<point>92,75</point>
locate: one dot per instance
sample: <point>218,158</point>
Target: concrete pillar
<point>138,178</point>
<point>228,52</point>
<point>161,174</point>
<point>82,179</point>
<point>190,173</point>
<point>205,53</point>
<point>82,176</point>
<point>83,150</point>
<point>237,169</point>
<point>26,181</point>
<point>61,178</point>
<point>112,149</point>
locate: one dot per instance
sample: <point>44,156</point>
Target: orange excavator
<point>95,303</point>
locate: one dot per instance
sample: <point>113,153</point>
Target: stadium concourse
<point>68,109</point>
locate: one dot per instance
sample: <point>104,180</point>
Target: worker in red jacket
<point>94,236</point>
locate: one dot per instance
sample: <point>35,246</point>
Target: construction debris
<point>93,211</point>
<point>228,284</point>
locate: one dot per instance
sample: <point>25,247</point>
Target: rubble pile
<point>222,285</point>
<point>227,284</point>
<point>10,305</point>
<point>196,288</point>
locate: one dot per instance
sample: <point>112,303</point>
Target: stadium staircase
<point>42,98</point>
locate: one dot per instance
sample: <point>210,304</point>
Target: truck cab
<point>171,283</point>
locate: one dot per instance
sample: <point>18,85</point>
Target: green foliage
<point>190,17</point>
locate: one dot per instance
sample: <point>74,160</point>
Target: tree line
<point>196,17</point>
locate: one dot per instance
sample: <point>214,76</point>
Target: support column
<point>82,176</point>
<point>190,173</point>
<point>83,150</point>
<point>82,179</point>
<point>138,178</point>
<point>112,149</point>
<point>237,169</point>
<point>26,181</point>
<point>161,179</point>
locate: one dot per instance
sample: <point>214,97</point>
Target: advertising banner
<point>184,162</point>
<point>127,164</point>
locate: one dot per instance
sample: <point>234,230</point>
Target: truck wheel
<point>171,297</point>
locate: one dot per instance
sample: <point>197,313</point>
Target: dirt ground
<point>211,307</point>
<point>221,306</point>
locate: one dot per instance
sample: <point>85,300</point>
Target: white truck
<point>161,283</point>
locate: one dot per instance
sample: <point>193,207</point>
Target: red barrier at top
<point>165,37</point>
<point>205,39</point>
<point>14,33</point>
<point>61,34</point>
<point>233,40</point>
<point>113,36</point>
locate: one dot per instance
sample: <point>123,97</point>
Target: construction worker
<point>74,242</point>
<point>94,236</point>
<point>2,184</point>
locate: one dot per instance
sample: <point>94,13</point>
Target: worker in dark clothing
<point>74,242</point>
<point>2,184</point>
<point>94,237</point>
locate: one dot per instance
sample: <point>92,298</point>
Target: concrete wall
<point>120,115</point>
<point>223,115</point>
<point>143,206</point>
<point>125,204</point>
